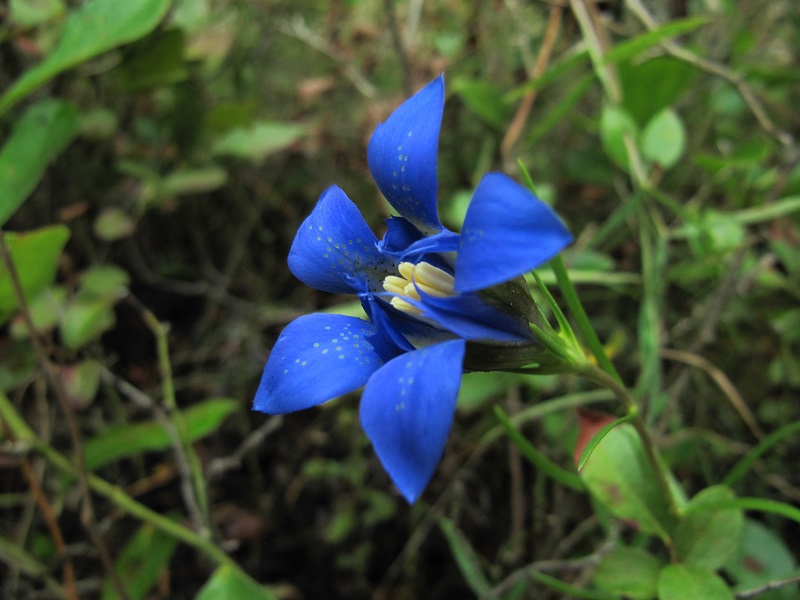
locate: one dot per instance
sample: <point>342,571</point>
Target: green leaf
<point>114,224</point>
<point>96,26</point>
<point>35,255</point>
<point>762,557</point>
<point>637,45</point>
<point>539,460</point>
<point>104,282</point>
<point>37,138</point>
<point>587,450</point>
<point>81,381</point>
<point>707,537</point>
<point>259,140</point>
<point>85,320</point>
<point>228,582</point>
<point>30,13</point>
<point>653,85</point>
<point>615,126</point>
<point>630,572</point>
<point>682,582</point>
<point>619,475</point>
<point>466,558</point>
<point>156,61</point>
<point>141,562</point>
<point>484,99</point>
<point>129,439</point>
<point>664,139</point>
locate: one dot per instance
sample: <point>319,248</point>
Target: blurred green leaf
<point>484,99</point>
<point>615,125</point>
<point>91,29</point>
<point>104,282</point>
<point>630,48</point>
<point>37,138</point>
<point>114,224</point>
<point>707,538</point>
<point>619,475</point>
<point>85,320</point>
<point>35,255</point>
<point>228,583</point>
<point>142,562</point>
<point>664,139</point>
<point>762,557</point>
<point>653,85</point>
<point>466,558</point>
<point>30,13</point>
<point>259,140</point>
<point>630,572</point>
<point>155,61</point>
<point>45,311</point>
<point>682,582</point>
<point>129,439</point>
<point>81,382</point>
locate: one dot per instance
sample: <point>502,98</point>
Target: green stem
<point>581,318</point>
<point>196,496</point>
<point>113,493</point>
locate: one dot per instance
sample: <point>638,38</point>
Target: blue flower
<point>438,302</point>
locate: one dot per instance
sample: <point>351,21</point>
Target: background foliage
<point>157,160</point>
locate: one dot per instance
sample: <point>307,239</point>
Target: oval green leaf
<point>682,582</point>
<point>664,139</point>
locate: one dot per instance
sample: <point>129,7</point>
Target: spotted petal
<point>335,250</point>
<point>316,358</point>
<point>407,411</point>
<point>402,156</point>
<point>507,232</point>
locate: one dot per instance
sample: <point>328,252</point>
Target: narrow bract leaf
<point>466,558</point>
<point>91,29</point>
<point>37,138</point>
<point>129,439</point>
<point>142,562</point>
<point>631,48</point>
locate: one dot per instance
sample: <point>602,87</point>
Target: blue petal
<point>507,232</point>
<point>335,250</point>
<point>402,156</point>
<point>400,234</point>
<point>469,316</point>
<point>316,358</point>
<point>407,411</point>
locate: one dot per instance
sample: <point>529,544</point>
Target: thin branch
<point>87,506</point>
<point>297,28</point>
<point>219,466</point>
<point>767,587</point>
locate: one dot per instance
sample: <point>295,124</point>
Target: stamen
<point>415,278</point>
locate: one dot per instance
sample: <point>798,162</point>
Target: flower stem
<point>581,318</point>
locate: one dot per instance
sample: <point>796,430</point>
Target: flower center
<point>422,277</point>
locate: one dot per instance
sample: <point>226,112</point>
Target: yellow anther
<point>405,307</point>
<point>422,277</point>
